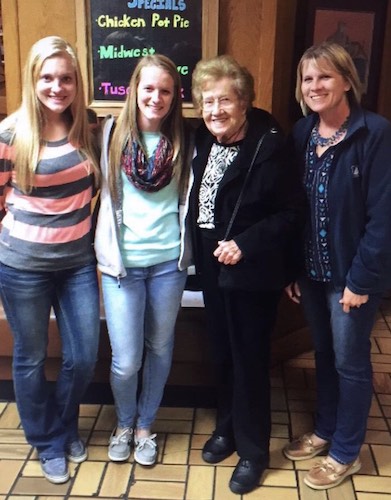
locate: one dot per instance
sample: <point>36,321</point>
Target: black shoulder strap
<point>246,180</point>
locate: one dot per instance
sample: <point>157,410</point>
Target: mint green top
<point>150,232</point>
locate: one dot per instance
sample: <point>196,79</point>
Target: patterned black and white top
<point>220,158</point>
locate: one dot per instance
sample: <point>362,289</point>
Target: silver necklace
<point>325,142</point>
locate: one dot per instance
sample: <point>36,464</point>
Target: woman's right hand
<point>293,292</point>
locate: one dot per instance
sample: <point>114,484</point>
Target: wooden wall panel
<point>31,20</point>
<point>265,56</point>
<point>384,99</point>
<point>260,35</point>
<point>11,53</point>
<point>40,18</point>
<point>246,33</point>
<point>283,84</point>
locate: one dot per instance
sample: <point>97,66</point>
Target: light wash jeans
<point>343,366</point>
<point>50,419</point>
<point>141,313</point>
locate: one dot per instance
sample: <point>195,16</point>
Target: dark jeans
<point>343,366</point>
<point>50,420</point>
<point>239,325</point>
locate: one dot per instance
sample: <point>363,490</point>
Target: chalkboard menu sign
<point>122,31</point>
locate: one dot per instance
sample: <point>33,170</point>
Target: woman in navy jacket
<point>242,261</point>
<point>345,155</point>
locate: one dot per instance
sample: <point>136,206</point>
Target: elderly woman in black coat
<point>246,204</point>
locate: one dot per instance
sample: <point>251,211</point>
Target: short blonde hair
<point>219,67</point>
<point>339,59</point>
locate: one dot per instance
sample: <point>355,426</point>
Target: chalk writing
<point>106,21</point>
<point>122,31</point>
<point>113,90</point>
<point>113,52</point>
<point>157,21</point>
<point>158,4</point>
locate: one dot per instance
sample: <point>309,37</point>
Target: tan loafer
<point>323,475</point>
<point>303,448</point>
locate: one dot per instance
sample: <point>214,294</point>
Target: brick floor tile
<point>181,474</point>
<point>200,483</point>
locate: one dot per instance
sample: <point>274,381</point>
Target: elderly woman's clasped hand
<point>228,252</point>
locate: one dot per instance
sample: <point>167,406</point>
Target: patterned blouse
<point>316,180</point>
<point>220,158</point>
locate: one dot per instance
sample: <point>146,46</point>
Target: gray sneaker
<point>119,446</point>
<point>76,452</point>
<point>145,452</point>
<point>55,469</point>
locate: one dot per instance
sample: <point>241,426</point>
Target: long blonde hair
<point>127,125</point>
<point>27,122</point>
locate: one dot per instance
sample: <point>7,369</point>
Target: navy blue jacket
<point>359,201</point>
<point>272,209</point>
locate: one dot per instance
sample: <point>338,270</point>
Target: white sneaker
<point>119,446</point>
<point>145,452</point>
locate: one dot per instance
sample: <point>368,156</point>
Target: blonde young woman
<point>141,247</point>
<point>48,174</point>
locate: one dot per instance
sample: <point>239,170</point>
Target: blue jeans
<point>141,313</point>
<point>50,418</point>
<point>343,366</point>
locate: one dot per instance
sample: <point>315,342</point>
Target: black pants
<point>239,326</point>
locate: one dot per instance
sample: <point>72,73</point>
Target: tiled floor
<point>182,475</point>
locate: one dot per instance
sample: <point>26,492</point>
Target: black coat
<point>270,216</point>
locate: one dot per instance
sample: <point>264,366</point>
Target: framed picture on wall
<point>357,25</point>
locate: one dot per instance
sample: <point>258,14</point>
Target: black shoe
<point>217,448</point>
<point>246,476</point>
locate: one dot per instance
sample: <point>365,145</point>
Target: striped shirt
<point>48,229</point>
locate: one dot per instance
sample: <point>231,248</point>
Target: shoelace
<point>307,441</point>
<point>325,466</point>
<point>146,441</point>
<point>124,437</point>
